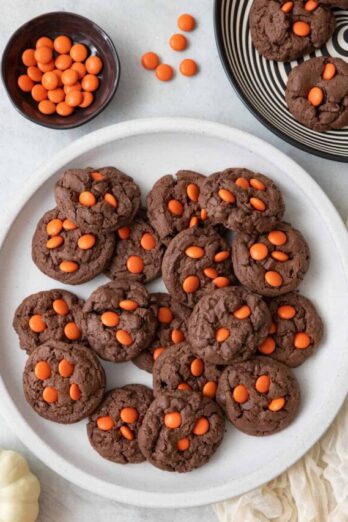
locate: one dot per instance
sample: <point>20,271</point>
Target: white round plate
<point>146,150</point>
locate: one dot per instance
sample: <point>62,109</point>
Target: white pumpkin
<point>19,489</point>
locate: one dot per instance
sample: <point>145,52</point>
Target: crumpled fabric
<point>315,489</point>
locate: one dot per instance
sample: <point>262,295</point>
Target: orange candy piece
<point>226,196</point>
<point>191,284</point>
<point>201,426</point>
<point>94,64</point>
<point>63,109</point>
<point>222,334</point>
<point>42,370</point>
<point>221,282</point>
<point>74,98</point>
<point>75,392</point>
<point>28,58</point>
<point>124,232</point>
<point>87,99</point>
<point>164,315</point>
<point>39,93</point>
<point>277,404</point>
<point>301,28</point>
<point>210,272</point>
<point>68,266</point>
<point>172,420</point>
<point>87,199</point>
<point>302,340</point>
<point>257,204</point>
<point>164,72</point>
<point>44,41</point>
<point>188,67</point>
<point>242,313</point>
<point>183,386</point>
<point>43,54</point>
<point>72,331</point>
<point>80,68</point>
<point>328,72</point>
<point>37,324</point>
<point>47,107</point>
<point>273,278</point>
<point>69,225</point>
<point>54,242</point>
<point>194,252</point>
<point>128,304</point>
<point>105,423</point>
<point>183,444</point>
<point>62,44</point>
<point>257,184</point>
<point>204,214</point>
<point>129,415</point>
<point>148,241</point>
<point>221,256</point>
<point>126,433</point>
<point>65,368</point>
<point>178,42</point>
<point>25,83</point>
<point>157,352</point>
<point>97,176</point>
<point>50,395</point>
<point>78,52</point>
<point>192,191</point>
<point>60,307</point>
<point>175,207</point>
<point>86,241</point>
<point>279,256</point>
<point>311,5</point>
<point>70,77</point>
<point>193,221</point>
<point>263,383</point>
<point>177,336</point>
<point>267,346</point>
<point>286,312</point>
<point>110,319</point>
<point>240,394</point>
<point>56,95</point>
<point>186,22</point>
<point>110,199</point>
<point>209,389</point>
<point>277,237</point>
<point>258,251</point>
<point>123,337</point>
<point>50,80</point>
<point>242,183</point>
<point>197,367</point>
<point>34,73</point>
<point>287,7</point>
<point>135,264</point>
<point>150,61</point>
<point>315,96</point>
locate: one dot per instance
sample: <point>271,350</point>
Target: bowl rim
<point>64,125</point>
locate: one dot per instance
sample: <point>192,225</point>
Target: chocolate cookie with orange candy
<point>98,200</point>
<point>173,204</point>
<point>63,382</point>
<point>49,315</point>
<point>113,428</point>
<point>228,325</point>
<point>296,331</point>
<point>138,252</point>
<point>260,396</point>
<point>179,369</point>
<point>242,200</point>
<point>120,320</point>
<point>181,431</point>
<point>272,263</point>
<point>171,329</point>
<point>196,261</point>
<point>63,252</point>
<point>285,31</point>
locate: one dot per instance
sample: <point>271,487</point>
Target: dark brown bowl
<point>79,29</point>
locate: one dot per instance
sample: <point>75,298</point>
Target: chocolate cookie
<point>61,251</point>
<point>260,396</point>
<point>138,253</point>
<point>63,382</point>
<point>285,31</point>
<point>173,203</point>
<point>119,320</point>
<point>181,431</point>
<point>179,369</point>
<point>195,262</point>
<point>171,329</point>
<point>317,93</point>
<point>240,199</point>
<point>49,315</point>
<point>113,428</point>
<point>98,200</point>
<point>271,264</point>
<point>296,330</point>
<point>228,325</point>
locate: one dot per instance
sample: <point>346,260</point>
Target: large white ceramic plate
<point>146,150</point>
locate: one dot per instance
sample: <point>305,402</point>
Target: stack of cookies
<point>317,89</point>
<point>219,344</point>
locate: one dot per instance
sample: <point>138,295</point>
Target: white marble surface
<point>135,27</point>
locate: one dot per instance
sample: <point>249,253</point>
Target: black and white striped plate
<point>261,83</point>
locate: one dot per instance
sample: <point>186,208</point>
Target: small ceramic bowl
<point>79,29</point>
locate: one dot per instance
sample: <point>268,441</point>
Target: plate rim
<point>242,96</point>
<point>339,234</point>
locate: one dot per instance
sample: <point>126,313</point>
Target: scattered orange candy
<point>186,22</point>
<point>164,72</point>
<point>188,67</point>
<point>150,60</point>
<point>178,42</point>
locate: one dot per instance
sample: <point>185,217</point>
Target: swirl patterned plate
<point>261,83</point>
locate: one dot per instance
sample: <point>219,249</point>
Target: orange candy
<point>164,72</point>
<point>188,67</point>
<point>315,96</point>
<point>277,237</point>
<point>78,52</point>
<point>56,95</point>
<point>209,389</point>
<point>63,62</point>
<point>50,80</point>
<point>263,383</point>
<point>258,251</point>
<point>47,107</point>
<point>178,42</point>
<point>110,319</point>
<point>54,227</point>
<point>193,221</point>
<point>301,28</point>
<point>110,200</point>
<point>129,415</point>
<point>123,337</point>
<point>80,68</point>
<point>28,57</point>
<point>70,77</point>
<point>63,109</point>
<point>210,272</point>
<point>97,176</point>
<point>191,284</point>
<point>60,307</point>
<point>221,256</point>
<point>186,22</point>
<point>25,83</point>
<point>44,67</point>
<point>242,313</point>
<point>197,367</point>
<point>124,232</point>
<point>74,98</point>
<point>194,252</point>
<point>39,93</point>
<point>65,368</point>
<point>192,190</point>
<point>126,433</point>
<point>257,184</point>
<point>128,304</point>
<point>277,404</point>
<point>177,336</point>
<point>257,204</point>
<point>164,315</point>
<point>221,282</point>
<point>148,242</point>
<point>105,423</point>
<point>172,420</point>
<point>50,394</point>
<point>287,7</point>
<point>279,256</point>
<point>226,196</point>
<point>311,5</point>
<point>204,214</point>
<point>222,334</point>
<point>302,340</point>
<point>328,72</point>
<point>62,44</point>
<point>90,83</point>
<point>242,183</point>
<point>158,352</point>
<point>183,386</point>
<point>240,394</point>
<point>201,426</point>
<point>72,331</point>
<point>94,65</point>
<point>37,324</point>
<point>273,328</point>
<point>69,225</point>
<point>135,264</point>
<point>87,199</point>
<point>75,392</point>
<point>86,241</point>
<point>175,207</point>
<point>54,242</point>
<point>68,266</point>
<point>42,370</point>
<point>150,61</point>
<point>75,87</point>
<point>183,444</point>
<point>286,312</point>
<point>34,74</point>
<point>273,278</point>
<point>267,346</point>
<point>43,54</point>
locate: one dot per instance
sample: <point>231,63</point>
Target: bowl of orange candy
<point>60,70</point>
